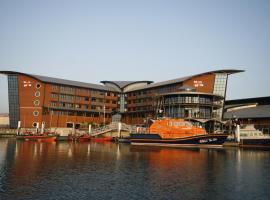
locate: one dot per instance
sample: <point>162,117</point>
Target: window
<point>38,85</point>
<point>37,93</point>
<point>54,95</point>
<point>55,87</point>
<point>69,105</point>
<point>13,100</point>
<point>62,104</point>
<point>67,89</point>
<point>36,102</point>
<point>62,113</point>
<point>77,106</point>
<point>34,124</point>
<point>35,113</point>
<point>54,104</point>
<point>93,107</point>
<point>66,97</point>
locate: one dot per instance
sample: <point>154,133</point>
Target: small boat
<point>102,139</point>
<point>251,137</point>
<point>84,138</point>
<point>177,133</point>
<point>122,140</point>
<point>75,138</point>
<point>29,136</point>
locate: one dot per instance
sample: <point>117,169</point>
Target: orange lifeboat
<point>175,128</point>
<point>177,132</point>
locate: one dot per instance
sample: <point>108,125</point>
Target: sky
<point>155,40</point>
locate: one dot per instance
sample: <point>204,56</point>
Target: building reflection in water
<point>39,167</point>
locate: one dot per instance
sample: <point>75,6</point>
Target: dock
<point>7,132</point>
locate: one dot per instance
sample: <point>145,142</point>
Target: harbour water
<point>33,170</point>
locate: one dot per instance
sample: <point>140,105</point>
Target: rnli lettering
<point>27,84</point>
<point>198,84</point>
<point>207,140</point>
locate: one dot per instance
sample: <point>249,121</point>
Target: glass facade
<point>189,106</point>
<point>122,103</point>
<point>13,96</point>
<point>220,89</point>
<point>220,84</point>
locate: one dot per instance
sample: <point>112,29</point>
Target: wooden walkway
<point>7,132</point>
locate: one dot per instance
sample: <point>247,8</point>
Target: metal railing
<point>112,127</point>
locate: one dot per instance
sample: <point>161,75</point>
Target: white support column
<point>19,127</point>
<point>37,126</point>
<point>90,129</point>
<point>42,127</point>
<point>237,134</point>
<point>73,128</point>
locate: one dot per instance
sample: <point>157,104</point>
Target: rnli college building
<point>35,99</point>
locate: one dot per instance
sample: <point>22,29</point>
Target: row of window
<point>133,94</point>
<point>139,100</point>
<point>141,108</point>
<point>80,90</point>
<point>188,99</point>
<point>184,112</point>
<point>73,113</point>
<point>78,106</point>
<point>80,98</point>
<point>165,89</point>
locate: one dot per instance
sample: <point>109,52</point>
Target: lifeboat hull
<point>210,140</point>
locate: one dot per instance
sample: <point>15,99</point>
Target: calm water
<point>32,170</point>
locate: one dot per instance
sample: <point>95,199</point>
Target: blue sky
<point>137,40</point>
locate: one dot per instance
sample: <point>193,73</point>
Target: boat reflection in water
<point>36,170</point>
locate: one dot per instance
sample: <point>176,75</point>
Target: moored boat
<point>46,137</point>
<point>84,138</point>
<point>75,138</point>
<point>102,139</point>
<point>177,133</point>
<point>251,137</point>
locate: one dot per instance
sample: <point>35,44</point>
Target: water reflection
<point>108,170</point>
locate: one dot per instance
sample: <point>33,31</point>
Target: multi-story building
<point>35,99</point>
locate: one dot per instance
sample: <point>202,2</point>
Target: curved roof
<point>123,84</point>
<point>119,84</point>
<point>46,79</point>
<point>262,111</point>
<point>178,80</point>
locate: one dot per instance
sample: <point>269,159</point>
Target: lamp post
<point>104,115</point>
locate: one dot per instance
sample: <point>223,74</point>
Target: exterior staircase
<point>114,126</point>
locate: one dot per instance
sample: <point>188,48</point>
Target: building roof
<point>179,80</point>
<point>119,84</point>
<point>262,111</point>
<point>258,100</point>
<point>123,84</point>
<point>47,79</point>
